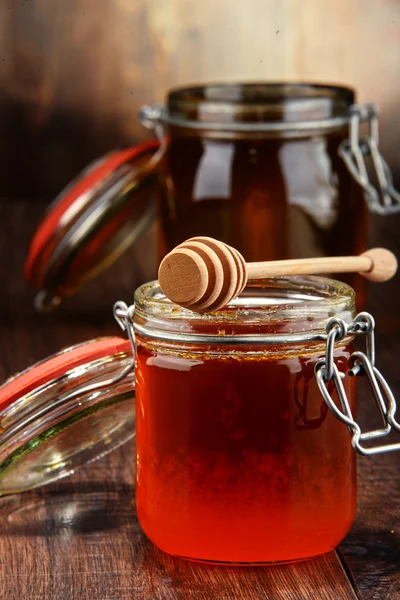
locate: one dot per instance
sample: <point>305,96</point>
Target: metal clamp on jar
<point>360,363</point>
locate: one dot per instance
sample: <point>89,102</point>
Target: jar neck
<point>290,310</point>
<point>259,103</point>
<point>254,111</point>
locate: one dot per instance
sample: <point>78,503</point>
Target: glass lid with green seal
<point>65,411</point>
<point>93,221</point>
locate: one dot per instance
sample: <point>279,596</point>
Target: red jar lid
<point>93,221</point>
<point>65,411</point>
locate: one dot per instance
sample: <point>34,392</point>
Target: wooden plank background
<point>73,73</point>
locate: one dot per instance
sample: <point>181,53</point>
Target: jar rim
<point>274,108</point>
<point>337,98</point>
<point>277,310</point>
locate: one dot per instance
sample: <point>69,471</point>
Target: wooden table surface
<point>79,539</point>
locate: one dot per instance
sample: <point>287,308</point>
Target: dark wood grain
<point>80,539</point>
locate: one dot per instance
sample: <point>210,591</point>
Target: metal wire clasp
<point>360,363</point>
<point>384,199</point>
<point>151,117</point>
<point>123,314</point>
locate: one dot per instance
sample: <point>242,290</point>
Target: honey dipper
<point>203,274</point>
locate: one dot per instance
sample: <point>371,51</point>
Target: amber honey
<point>238,458</point>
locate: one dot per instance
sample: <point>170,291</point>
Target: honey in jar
<point>239,459</point>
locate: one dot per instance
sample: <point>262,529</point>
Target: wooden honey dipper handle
<point>204,274</point>
<point>377,264</point>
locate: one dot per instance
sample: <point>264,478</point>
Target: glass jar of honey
<point>275,170</point>
<point>239,459</point>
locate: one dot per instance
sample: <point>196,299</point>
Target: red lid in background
<point>93,221</point>
<point>65,411</point>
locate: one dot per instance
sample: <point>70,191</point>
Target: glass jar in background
<point>275,170</point>
<point>275,189</point>
<point>260,167</point>
<point>239,459</point>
